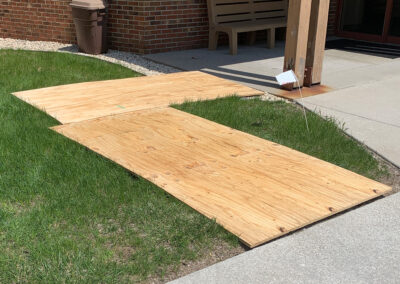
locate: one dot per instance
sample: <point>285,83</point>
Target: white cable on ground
<point>302,102</point>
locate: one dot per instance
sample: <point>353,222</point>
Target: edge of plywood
<point>256,92</point>
<point>360,203</point>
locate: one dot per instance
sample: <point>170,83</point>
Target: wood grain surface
<point>296,39</point>
<point>305,92</point>
<point>83,101</point>
<point>316,41</point>
<point>256,189</point>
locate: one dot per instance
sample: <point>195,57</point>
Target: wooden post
<point>296,39</point>
<point>316,42</point>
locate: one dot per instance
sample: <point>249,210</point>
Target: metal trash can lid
<point>89,4</point>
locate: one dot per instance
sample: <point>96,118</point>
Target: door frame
<point>384,37</point>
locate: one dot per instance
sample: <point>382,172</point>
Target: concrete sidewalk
<point>361,246</point>
<point>365,95</point>
<point>370,113</point>
<point>257,66</point>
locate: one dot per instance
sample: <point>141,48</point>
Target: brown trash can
<point>90,18</point>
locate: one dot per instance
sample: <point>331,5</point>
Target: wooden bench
<point>235,16</point>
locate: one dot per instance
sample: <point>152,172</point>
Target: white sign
<point>286,78</point>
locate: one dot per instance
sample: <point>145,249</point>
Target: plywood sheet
<point>256,189</point>
<point>83,101</point>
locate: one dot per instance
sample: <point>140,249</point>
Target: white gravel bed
<point>130,60</point>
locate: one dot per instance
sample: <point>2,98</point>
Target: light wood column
<point>297,38</point>
<point>316,42</point>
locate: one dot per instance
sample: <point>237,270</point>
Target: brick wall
<point>332,17</point>
<point>142,26</point>
<point>155,26</point>
<point>36,20</point>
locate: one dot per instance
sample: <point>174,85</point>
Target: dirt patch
<point>219,252</point>
<point>393,177</point>
<point>122,253</point>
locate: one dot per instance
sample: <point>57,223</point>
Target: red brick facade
<point>37,20</point>
<point>142,26</point>
<point>332,17</point>
<point>155,26</point>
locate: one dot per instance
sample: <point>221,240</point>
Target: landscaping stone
<point>130,60</point>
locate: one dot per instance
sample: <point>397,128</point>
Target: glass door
<point>374,20</point>
<point>394,28</point>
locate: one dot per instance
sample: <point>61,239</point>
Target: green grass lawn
<point>284,124</point>
<point>69,215</point>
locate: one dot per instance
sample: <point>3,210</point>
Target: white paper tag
<point>286,78</point>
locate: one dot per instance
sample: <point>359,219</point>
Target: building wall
<point>37,20</point>
<point>142,26</point>
<point>332,17</point>
<point>155,26</point>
